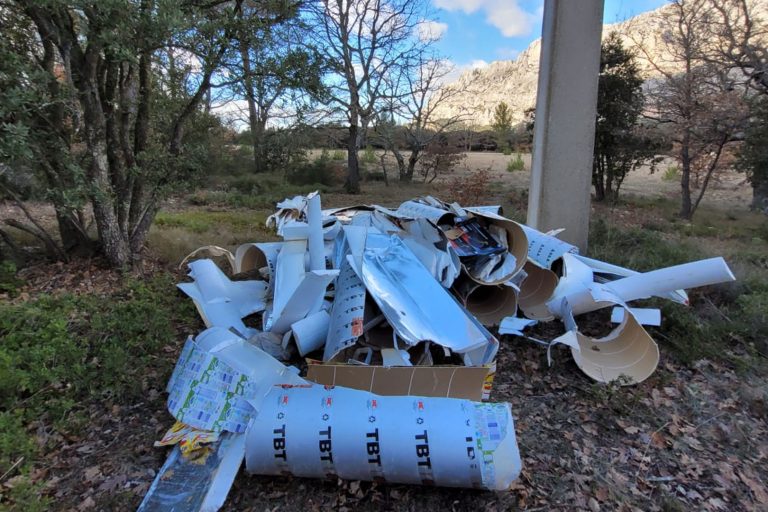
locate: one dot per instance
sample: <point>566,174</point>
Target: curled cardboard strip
<point>489,304</point>
<point>627,355</point>
<point>535,290</point>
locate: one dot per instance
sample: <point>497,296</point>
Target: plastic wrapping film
<point>196,485</point>
<point>516,243</point>
<point>321,432</point>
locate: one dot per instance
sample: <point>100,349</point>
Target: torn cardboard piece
<point>544,249</point>
<point>535,291</point>
<point>434,381</point>
<point>310,333</point>
<point>320,432</point>
<point>214,251</point>
<point>221,302</point>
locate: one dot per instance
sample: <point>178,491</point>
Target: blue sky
<point>475,32</point>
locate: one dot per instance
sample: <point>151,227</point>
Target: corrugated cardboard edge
<point>471,383</point>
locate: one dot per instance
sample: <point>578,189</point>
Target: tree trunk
<point>685,178</point>
<point>412,160</point>
<point>352,186</point>
<point>759,194</point>
<point>597,179</point>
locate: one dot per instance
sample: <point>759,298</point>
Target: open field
<point>86,354</point>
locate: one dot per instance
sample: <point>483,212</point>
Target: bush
<point>319,171</point>
<point>471,189</point>
<point>516,164</point>
<point>672,173</point>
<point>506,151</point>
<point>369,156</point>
<point>338,155</point>
<point>59,353</point>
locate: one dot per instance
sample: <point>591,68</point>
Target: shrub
<point>338,155</point>
<point>319,171</point>
<point>471,189</point>
<point>369,156</point>
<point>59,353</point>
<point>506,151</point>
<point>672,173</point>
<point>516,164</point>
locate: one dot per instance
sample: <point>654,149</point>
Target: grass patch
<point>724,322</point>
<point>671,173</point>
<point>516,164</point>
<point>59,353</point>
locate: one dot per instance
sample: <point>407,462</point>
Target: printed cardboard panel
<point>471,383</point>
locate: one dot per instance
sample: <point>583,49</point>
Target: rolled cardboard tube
<point>535,291</point>
<point>315,221</point>
<point>255,256</point>
<point>489,304</point>
<point>629,351</point>
<point>679,277</point>
<point>309,333</point>
<point>319,431</point>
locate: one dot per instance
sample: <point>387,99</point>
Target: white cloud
<point>431,30</point>
<point>506,15</point>
<point>507,53</point>
<point>458,69</point>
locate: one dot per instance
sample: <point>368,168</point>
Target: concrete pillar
<point>564,131</point>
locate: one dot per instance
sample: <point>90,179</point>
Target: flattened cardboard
<point>436,381</point>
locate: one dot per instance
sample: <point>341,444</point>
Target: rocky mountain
<point>476,93</point>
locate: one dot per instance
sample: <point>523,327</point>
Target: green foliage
<point>338,155</point>
<point>59,352</point>
<point>317,172</point>
<point>516,164</point>
<point>723,322</point>
<point>620,145</point>
<point>672,173</point>
<point>9,283</point>
<point>502,124</point>
<point>369,155</point>
<point>506,151</point>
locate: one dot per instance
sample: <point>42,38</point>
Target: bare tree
<point>739,40</point>
<point>367,43</point>
<point>415,100</point>
<point>277,73</point>
<point>696,100</point>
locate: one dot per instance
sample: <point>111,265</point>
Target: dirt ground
<point>729,191</point>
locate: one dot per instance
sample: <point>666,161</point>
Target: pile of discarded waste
<point>392,311</point>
